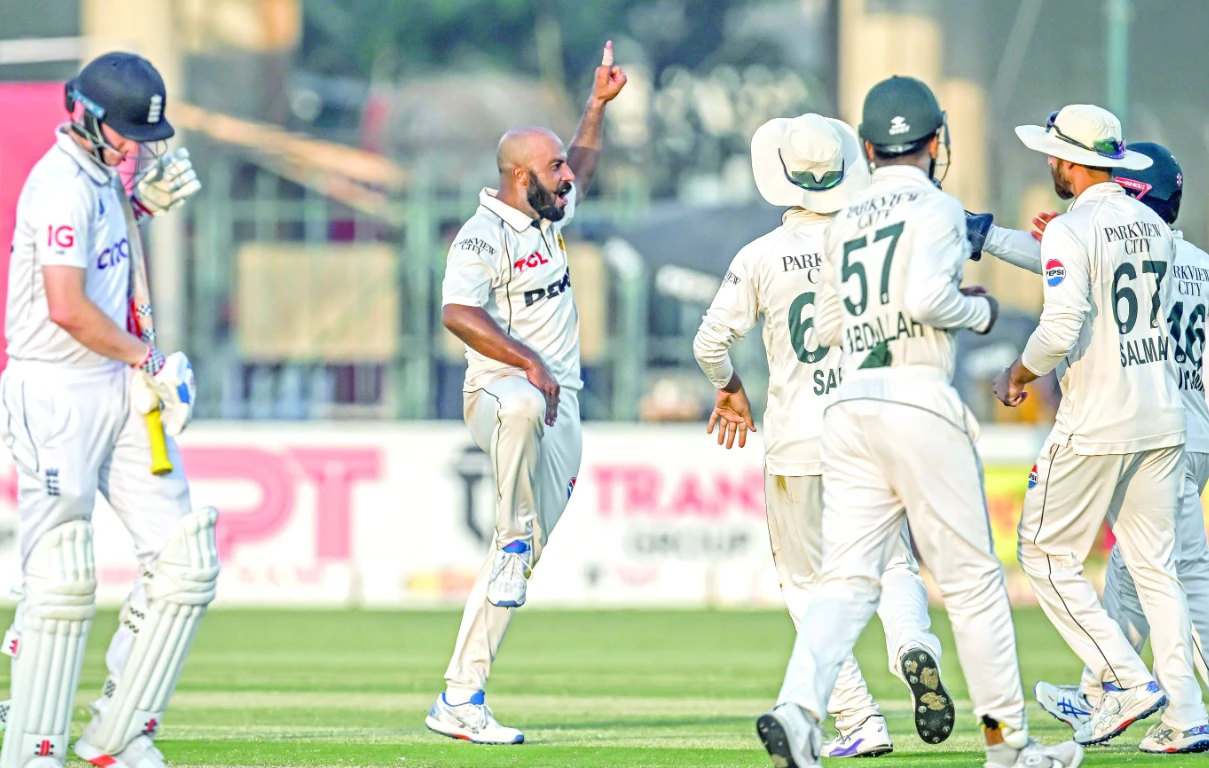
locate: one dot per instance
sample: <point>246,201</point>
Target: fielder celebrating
<point>75,390</point>
<point>1160,188</point>
<point>812,165</point>
<point>899,442</point>
<point>1117,447</point>
<point>507,295</point>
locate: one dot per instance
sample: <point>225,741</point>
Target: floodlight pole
<point>1119,13</point>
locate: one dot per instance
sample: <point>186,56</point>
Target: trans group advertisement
<point>401,514</point>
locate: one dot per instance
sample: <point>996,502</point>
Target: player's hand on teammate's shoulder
<point>732,416</point>
<point>1040,221</point>
<point>539,376</point>
<point>169,182</point>
<point>609,79</point>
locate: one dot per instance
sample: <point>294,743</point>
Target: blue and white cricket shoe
<point>1163,740</point>
<point>1065,703</point>
<point>869,739</point>
<point>510,574</point>
<point>471,722</point>
<point>1119,709</point>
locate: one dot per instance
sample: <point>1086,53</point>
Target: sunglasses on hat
<point>809,181</point>
<point>1113,149</point>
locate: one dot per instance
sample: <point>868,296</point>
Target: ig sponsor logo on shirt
<point>61,237</point>
<point>1055,273</point>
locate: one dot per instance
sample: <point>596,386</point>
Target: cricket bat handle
<point>160,463</point>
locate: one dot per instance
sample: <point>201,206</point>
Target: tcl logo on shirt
<point>550,291</point>
<point>60,236</point>
<point>114,254</point>
<point>527,262</point>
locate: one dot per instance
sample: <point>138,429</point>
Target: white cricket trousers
<point>795,529</point>
<point>535,468</point>
<point>1191,565</point>
<point>1138,494</point>
<point>72,432</point>
<point>884,462</point>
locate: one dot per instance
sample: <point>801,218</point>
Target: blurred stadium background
<point>342,143</point>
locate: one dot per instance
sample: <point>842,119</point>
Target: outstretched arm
<point>584,153</point>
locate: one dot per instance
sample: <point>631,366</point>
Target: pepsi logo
<point>1055,273</point>
<point>1032,477</point>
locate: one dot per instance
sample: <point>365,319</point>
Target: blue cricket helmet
<point>1161,186</point>
<point>125,92</point>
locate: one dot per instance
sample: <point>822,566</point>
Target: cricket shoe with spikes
<point>792,737</point>
<point>510,575</point>
<point>931,705</point>
<point>1161,739</point>
<point>869,739</point>
<point>471,721</point>
<point>140,753</point>
<point>1119,709</point>
<point>1065,703</point>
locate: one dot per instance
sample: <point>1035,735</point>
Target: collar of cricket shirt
<point>511,216</point>
<point>86,161</point>
<point>803,217</point>
<point>901,172</point>
<point>1097,192</point>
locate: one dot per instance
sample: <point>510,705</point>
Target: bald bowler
<point>507,295</point>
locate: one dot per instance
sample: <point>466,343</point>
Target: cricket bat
<point>141,322</point>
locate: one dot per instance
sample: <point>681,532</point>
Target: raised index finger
<point>607,59</point>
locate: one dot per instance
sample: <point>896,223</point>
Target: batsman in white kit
<point>899,444</point>
<point>507,295</point>
<point>76,393</point>
<point>812,165</point>
<point>1183,302</point>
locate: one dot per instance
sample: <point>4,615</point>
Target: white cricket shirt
<point>1109,287</point>
<point>69,214</point>
<point>890,293</point>
<point>1185,321</point>
<point>776,279</point>
<point>515,268</point>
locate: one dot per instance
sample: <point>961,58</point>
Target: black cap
<point>126,93</point>
<point>898,113</point>
<point>1161,186</point>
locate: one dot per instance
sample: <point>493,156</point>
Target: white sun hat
<point>809,161</point>
<point>1083,134</point>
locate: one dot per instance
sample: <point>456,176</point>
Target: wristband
<point>152,362</point>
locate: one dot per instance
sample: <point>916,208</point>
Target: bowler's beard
<point>1062,185</point>
<point>545,201</point>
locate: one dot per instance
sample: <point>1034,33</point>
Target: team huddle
<point>859,292</point>
<point>1123,327</point>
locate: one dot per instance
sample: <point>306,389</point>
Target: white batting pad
<point>47,645</point>
<point>179,586</point>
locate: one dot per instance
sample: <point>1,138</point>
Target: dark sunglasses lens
<point>817,184</point>
<point>1110,148</point>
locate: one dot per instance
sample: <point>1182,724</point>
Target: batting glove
<point>177,390</point>
<point>168,183</point>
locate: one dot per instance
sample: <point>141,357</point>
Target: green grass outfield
<point>592,689</point>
